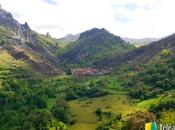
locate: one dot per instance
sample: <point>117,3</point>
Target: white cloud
<point>129,18</point>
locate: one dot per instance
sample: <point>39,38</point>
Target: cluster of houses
<point>89,71</point>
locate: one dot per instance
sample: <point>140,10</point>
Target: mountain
<point>140,55</point>
<point>140,42</point>
<point>70,37</point>
<point>91,46</point>
<point>22,43</point>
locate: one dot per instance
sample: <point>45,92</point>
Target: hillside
<point>24,44</point>
<point>140,55</point>
<point>91,46</point>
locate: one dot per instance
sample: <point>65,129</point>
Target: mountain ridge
<point>93,45</point>
<point>140,42</point>
<point>26,40</point>
<point>142,54</point>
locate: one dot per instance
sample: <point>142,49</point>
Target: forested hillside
<point>139,55</point>
<point>91,46</point>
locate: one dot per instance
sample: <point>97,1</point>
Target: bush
<point>165,52</point>
<point>50,92</point>
<point>61,111</point>
<point>163,105</point>
<point>90,91</point>
<point>41,102</point>
<point>111,124</point>
<point>138,120</point>
<point>98,112</point>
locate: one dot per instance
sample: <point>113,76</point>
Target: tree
<point>165,52</point>
<point>138,120</point>
<point>43,120</point>
<point>41,102</point>
<point>61,111</point>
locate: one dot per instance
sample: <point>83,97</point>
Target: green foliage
<point>83,90</point>
<point>143,92</point>
<point>167,117</point>
<point>4,33</point>
<point>61,111</point>
<point>92,46</point>
<point>153,79</point>
<point>50,43</point>
<point>165,52</point>
<point>162,106</point>
<point>98,112</point>
<point>43,120</point>
<point>23,102</point>
<point>113,123</point>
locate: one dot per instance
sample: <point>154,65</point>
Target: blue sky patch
<point>52,2</point>
<point>122,19</point>
<point>131,6</point>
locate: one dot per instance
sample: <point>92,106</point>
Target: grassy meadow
<point>116,102</point>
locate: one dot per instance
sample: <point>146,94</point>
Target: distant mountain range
<point>70,37</point>
<point>140,42</point>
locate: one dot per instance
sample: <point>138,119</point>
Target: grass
<point>50,103</point>
<point>168,117</point>
<point>117,102</point>
<point>84,110</point>
<point>83,126</point>
<point>163,97</point>
<point>146,103</point>
<point>7,62</point>
<point>114,103</point>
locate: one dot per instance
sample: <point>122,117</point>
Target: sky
<point>126,18</point>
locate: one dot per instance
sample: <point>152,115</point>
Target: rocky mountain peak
<point>48,34</point>
<point>92,32</point>
<point>26,26</point>
<point>21,31</point>
<point>100,35</point>
<point>4,14</point>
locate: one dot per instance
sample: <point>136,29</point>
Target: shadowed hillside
<point>139,55</point>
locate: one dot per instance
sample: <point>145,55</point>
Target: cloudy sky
<point>128,18</point>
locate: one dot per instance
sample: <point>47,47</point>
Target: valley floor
<point>85,110</point>
<point>117,102</point>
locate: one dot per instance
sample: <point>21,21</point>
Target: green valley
<point>94,80</point>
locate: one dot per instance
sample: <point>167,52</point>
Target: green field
<point>116,102</point>
<point>85,110</point>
